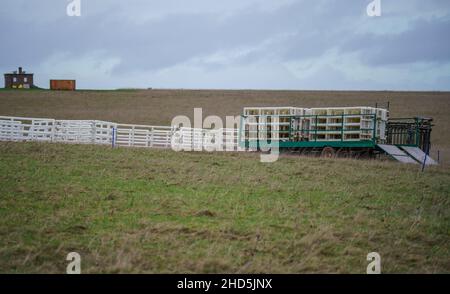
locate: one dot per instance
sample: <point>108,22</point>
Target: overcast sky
<point>230,44</point>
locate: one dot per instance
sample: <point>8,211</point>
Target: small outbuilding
<point>19,80</point>
<point>67,85</point>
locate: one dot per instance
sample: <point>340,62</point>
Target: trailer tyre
<point>328,152</point>
<point>343,153</point>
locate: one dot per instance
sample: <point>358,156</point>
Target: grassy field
<point>158,107</point>
<point>158,211</point>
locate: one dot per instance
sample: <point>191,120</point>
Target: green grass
<point>158,211</point>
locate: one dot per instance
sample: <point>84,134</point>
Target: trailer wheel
<point>355,154</point>
<point>343,153</point>
<point>367,154</point>
<point>328,152</point>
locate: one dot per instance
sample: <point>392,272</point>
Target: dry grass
<point>156,211</point>
<point>160,106</point>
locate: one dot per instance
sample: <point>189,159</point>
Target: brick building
<point>19,80</point>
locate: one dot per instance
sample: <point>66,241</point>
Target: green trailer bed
<point>412,132</point>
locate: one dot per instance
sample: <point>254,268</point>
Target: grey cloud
<point>302,30</point>
<point>426,41</point>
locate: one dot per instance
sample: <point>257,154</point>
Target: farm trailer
<point>358,132</point>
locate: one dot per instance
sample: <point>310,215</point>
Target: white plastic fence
<point>206,140</point>
<point>83,131</point>
<point>51,130</point>
<point>26,129</point>
<point>102,132</point>
<point>143,136</point>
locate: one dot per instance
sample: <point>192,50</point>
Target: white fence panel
<point>143,136</point>
<point>74,131</point>
<point>41,130</point>
<point>104,132</point>
<point>189,139</point>
<point>10,130</point>
<point>231,140</point>
<point>83,131</point>
<point>26,129</point>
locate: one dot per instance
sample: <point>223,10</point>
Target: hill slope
<point>136,210</point>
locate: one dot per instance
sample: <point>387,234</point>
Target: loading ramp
<point>407,154</point>
<point>397,153</point>
<point>419,155</point>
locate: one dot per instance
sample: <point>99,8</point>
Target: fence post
<point>152,134</point>
<point>426,155</point>
<point>52,135</point>
<point>113,141</point>
<point>93,130</point>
